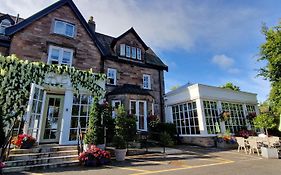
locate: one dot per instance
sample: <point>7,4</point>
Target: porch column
<point>223,129</point>
<point>245,112</point>
<point>66,117</point>
<point>201,117</point>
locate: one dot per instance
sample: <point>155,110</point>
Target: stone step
<point>41,161</point>
<point>42,149</point>
<point>30,156</point>
<point>40,166</point>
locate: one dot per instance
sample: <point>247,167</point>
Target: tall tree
<point>270,52</point>
<point>231,86</point>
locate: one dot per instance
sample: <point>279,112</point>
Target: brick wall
<point>3,51</point>
<point>132,74</point>
<point>32,42</point>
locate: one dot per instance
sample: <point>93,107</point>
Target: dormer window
<point>130,52</point>
<point>64,28</point>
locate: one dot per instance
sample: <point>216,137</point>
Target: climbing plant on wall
<point>16,77</point>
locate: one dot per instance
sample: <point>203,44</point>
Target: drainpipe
<point>161,97</point>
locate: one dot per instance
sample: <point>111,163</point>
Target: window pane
<point>69,30</point>
<point>122,49</point>
<point>134,52</point>
<point>59,27</point>
<point>55,53</point>
<point>66,58</point>
<point>128,51</point>
<point>138,53</point>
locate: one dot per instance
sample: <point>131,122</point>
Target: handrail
<point>5,152</point>
<point>79,140</point>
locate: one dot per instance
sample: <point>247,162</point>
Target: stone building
<point>60,35</point>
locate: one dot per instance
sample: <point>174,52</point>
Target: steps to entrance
<point>41,157</point>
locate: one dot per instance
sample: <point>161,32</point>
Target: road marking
<point>135,169</point>
<point>225,161</point>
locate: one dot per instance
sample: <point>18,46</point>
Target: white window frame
<point>115,75</point>
<point>134,52</point>
<point>148,79</point>
<point>128,51</point>
<point>64,25</point>
<point>138,53</point>
<point>113,105</point>
<point>122,50</point>
<point>137,102</point>
<point>61,51</point>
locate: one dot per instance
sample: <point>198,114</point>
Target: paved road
<point>192,161</point>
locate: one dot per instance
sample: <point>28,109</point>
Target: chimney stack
<point>92,24</point>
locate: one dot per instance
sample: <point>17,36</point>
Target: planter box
<point>225,145</point>
<point>269,153</point>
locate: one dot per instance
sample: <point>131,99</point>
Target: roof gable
<point>21,25</point>
<point>131,30</point>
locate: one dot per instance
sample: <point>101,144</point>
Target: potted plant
<point>94,134</point>
<point>225,115</point>
<point>120,148</point>
<point>94,156</point>
<point>23,141</point>
<point>265,121</point>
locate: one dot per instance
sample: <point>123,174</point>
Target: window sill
<point>65,36</point>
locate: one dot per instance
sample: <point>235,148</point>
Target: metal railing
<point>7,144</point>
<point>79,139</point>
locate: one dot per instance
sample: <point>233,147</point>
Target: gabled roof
<point>131,30</point>
<point>151,58</point>
<point>21,25</point>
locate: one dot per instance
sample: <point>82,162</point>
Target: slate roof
<point>150,57</point>
<point>129,89</point>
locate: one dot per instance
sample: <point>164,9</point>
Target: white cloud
<point>223,61</point>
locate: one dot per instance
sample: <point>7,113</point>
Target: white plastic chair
<point>241,144</point>
<point>254,146</point>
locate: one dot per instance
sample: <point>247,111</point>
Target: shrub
<point>264,121</point>
<point>169,128</point>
<point>245,133</point>
<point>165,140</point>
<point>125,125</point>
<point>119,142</point>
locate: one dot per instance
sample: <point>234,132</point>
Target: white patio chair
<point>254,146</point>
<point>274,142</point>
<point>241,144</point>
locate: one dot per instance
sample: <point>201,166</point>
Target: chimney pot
<point>92,23</point>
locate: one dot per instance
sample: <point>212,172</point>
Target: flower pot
<point>120,154</point>
<point>270,153</point>
<point>26,145</point>
<point>104,161</point>
<point>91,163</point>
<point>101,146</point>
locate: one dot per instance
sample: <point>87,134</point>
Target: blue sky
<point>208,41</point>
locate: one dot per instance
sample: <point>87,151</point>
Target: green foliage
<point>174,87</point>
<point>119,142</point>
<point>16,77</point>
<point>108,121</point>
<point>169,128</point>
<point>231,86</point>
<point>2,133</point>
<point>166,140</point>
<point>264,121</point>
<point>125,124</point>
<point>270,53</point>
<point>94,133</point>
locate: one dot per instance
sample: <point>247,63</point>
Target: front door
<point>139,108</point>
<point>52,119</point>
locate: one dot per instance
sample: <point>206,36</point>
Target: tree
<point>270,53</point>
<point>94,133</point>
<point>231,86</point>
<point>125,125</point>
<point>174,87</point>
<point>264,121</point>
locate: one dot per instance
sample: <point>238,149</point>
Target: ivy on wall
<point>16,77</point>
